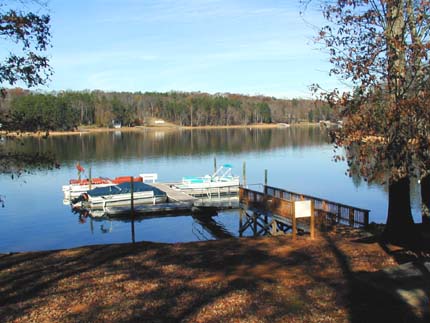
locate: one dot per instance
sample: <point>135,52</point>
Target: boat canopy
<point>223,172</point>
<point>125,188</point>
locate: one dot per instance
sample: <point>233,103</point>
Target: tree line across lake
<point>65,110</point>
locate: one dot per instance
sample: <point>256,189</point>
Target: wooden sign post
<point>304,209</point>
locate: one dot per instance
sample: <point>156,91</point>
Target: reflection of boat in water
<point>78,186</point>
<point>145,209</point>
<point>204,224</point>
<point>119,195</point>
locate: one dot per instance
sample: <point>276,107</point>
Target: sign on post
<point>304,209</point>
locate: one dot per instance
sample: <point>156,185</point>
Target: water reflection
<point>114,146</point>
<point>298,159</point>
<point>204,226</point>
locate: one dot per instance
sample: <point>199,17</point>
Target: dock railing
<point>281,201</point>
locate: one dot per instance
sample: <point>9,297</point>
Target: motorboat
<point>221,182</point>
<point>223,177</point>
<point>119,195</point>
<point>78,186</point>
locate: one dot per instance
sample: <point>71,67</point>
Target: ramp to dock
<point>277,201</point>
<point>174,194</point>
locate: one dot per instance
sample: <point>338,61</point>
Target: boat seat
<point>149,177</point>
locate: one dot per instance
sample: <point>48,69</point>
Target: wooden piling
<point>351,217</point>
<point>215,168</point>
<point>132,208</point>
<point>366,218</point>
<point>294,220</point>
<point>89,177</point>
<point>312,224</point>
<point>274,227</point>
<point>79,171</point>
<point>240,222</point>
<point>244,173</point>
<point>265,185</point>
<point>132,196</point>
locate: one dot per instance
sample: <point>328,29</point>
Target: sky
<point>249,47</point>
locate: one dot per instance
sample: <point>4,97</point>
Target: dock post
<point>254,227</point>
<point>240,222</point>
<point>274,230</point>
<point>78,166</point>
<point>366,219</point>
<point>244,173</point>
<point>294,222</point>
<point>132,208</point>
<point>351,217</point>
<point>89,177</point>
<point>312,224</point>
<point>265,182</point>
<point>215,169</point>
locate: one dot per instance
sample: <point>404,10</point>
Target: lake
<point>297,158</point>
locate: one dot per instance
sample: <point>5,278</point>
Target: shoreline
<point>88,130</point>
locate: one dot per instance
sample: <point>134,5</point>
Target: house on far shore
<point>159,122</point>
<point>116,124</point>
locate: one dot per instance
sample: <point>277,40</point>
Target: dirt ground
<point>270,279</point>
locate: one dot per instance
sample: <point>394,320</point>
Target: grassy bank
<point>272,279</point>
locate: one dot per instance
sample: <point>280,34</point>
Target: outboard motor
<point>81,198</point>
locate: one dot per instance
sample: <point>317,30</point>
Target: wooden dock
<point>272,211</point>
<point>177,202</point>
<point>174,195</point>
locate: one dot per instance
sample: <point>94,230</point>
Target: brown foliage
<point>245,280</point>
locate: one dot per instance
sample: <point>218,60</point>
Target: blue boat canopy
<point>125,188</point>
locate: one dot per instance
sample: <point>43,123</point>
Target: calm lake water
<point>297,159</point>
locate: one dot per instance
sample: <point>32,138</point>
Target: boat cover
<point>124,188</point>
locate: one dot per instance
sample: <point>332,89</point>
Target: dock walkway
<point>272,211</point>
<point>174,194</point>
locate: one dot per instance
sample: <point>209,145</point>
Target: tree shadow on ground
<point>374,296</point>
<point>262,279</point>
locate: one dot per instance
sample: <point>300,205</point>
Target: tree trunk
<point>400,224</point>
<point>425,200</point>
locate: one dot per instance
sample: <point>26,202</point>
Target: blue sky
<point>249,47</point>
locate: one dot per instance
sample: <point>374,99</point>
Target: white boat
<point>78,186</point>
<point>119,195</point>
<point>222,182</point>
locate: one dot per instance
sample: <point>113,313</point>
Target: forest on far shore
<point>65,110</point>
